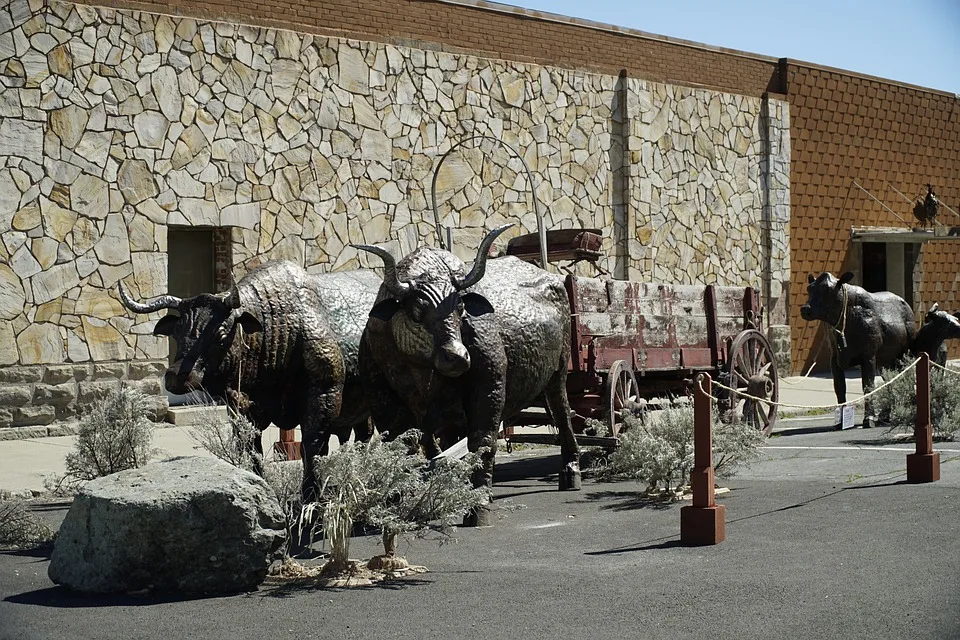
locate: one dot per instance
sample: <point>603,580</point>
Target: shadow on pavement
<point>802,431</point>
<point>669,542</point>
<point>292,589</point>
<point>42,552</point>
<point>63,598</point>
<point>628,500</point>
<point>804,503</point>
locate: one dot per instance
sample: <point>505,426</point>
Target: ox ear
<point>165,325</point>
<point>810,279</point>
<point>845,278</point>
<point>249,323</point>
<point>475,304</point>
<point>385,309</point>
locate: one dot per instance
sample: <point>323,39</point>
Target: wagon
<point>634,343</point>
<point>637,342</point>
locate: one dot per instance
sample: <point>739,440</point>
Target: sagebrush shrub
<point>229,438</point>
<point>896,404</point>
<point>19,528</point>
<point>384,485</point>
<point>659,451</point>
<point>114,435</point>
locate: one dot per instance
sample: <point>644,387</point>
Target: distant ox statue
<point>464,351</point>
<point>873,330</point>
<point>938,327</point>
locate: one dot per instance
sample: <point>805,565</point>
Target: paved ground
<point>825,539</point>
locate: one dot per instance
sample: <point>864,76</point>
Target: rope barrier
<point>823,406</point>
<point>955,372</point>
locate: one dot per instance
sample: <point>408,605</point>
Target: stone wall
<point>115,125</point>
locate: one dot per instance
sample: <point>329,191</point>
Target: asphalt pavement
<point>824,539</point>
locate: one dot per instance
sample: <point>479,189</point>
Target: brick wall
<point>512,34</point>
<point>848,128</point>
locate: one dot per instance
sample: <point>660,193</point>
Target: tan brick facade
<point>883,135</point>
<point>496,34</point>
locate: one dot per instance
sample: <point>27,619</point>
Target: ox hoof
<point>570,478</point>
<point>479,517</point>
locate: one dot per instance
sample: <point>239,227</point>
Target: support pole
<point>704,522</point>
<point>924,465</point>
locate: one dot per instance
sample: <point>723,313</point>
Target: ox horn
<point>390,279</point>
<point>232,299</point>
<point>163,302</point>
<point>480,264</point>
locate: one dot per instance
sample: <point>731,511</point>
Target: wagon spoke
<point>758,419</point>
<point>738,360</point>
<point>743,380</point>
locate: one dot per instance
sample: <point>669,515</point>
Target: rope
<point>955,372</point>
<point>843,321</point>
<point>822,406</point>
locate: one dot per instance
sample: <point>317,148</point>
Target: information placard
<point>843,416</point>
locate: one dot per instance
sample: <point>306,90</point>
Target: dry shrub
<point>659,451</point>
<point>114,435</point>
<point>19,528</point>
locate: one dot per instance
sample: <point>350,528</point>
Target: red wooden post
<point>924,465</point>
<point>704,522</point>
<point>288,447</point>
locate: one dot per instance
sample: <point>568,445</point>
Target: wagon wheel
<point>752,369</point>
<point>621,391</point>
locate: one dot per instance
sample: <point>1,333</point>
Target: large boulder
<point>191,524</point>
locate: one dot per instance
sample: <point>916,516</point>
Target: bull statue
<point>463,351</point>
<point>938,327</point>
<point>281,346</point>
<point>873,330</point>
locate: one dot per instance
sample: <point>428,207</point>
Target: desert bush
<point>659,450</point>
<point>896,403</point>
<point>19,528</point>
<point>114,435</point>
<point>230,438</point>
<point>386,486</point>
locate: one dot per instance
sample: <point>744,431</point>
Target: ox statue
<point>281,346</point>
<point>463,351</point>
<point>873,330</point>
<point>938,327</point>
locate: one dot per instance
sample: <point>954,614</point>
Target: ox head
<point>944,325</point>
<point>428,301</point>
<point>204,328</point>
<point>825,297</point>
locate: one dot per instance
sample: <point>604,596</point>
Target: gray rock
<point>192,524</point>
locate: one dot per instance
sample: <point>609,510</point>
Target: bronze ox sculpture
<point>464,351</point>
<point>938,327</point>
<point>281,346</point>
<point>873,330</point>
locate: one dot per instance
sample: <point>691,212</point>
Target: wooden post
<point>287,446</point>
<point>704,522</point>
<point>924,465</point>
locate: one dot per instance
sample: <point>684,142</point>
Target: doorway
<point>191,271</point>
<point>889,266</point>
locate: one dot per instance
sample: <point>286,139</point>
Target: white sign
<point>843,416</point>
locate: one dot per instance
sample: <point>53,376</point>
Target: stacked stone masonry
<point>117,124</point>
